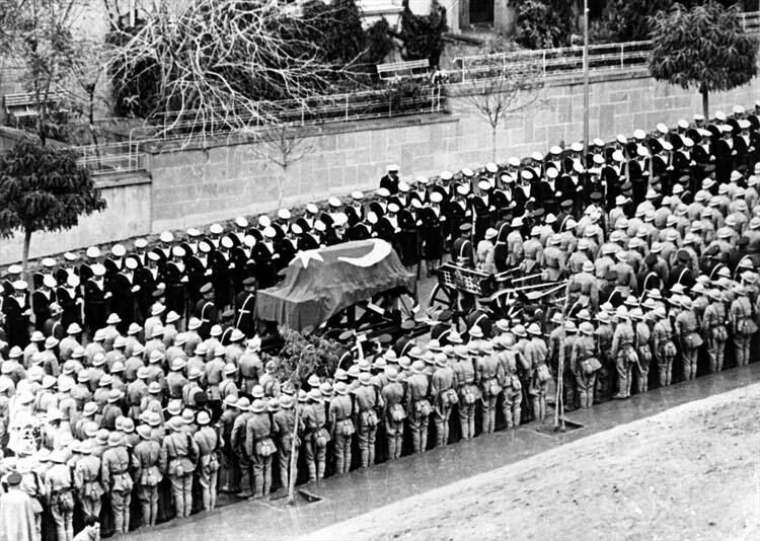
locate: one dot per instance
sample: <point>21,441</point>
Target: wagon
<point>357,287</point>
<point>506,294</point>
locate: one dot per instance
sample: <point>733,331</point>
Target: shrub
<point>543,24</point>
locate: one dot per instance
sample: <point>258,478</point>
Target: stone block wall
<point>127,215</point>
<point>194,187</point>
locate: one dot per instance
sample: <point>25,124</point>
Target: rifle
<point>559,407</point>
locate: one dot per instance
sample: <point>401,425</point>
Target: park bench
<point>22,105</point>
<point>410,68</point>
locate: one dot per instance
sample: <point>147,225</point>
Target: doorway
<point>481,11</point>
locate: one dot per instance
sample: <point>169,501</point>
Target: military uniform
<point>179,454</point>
<point>742,328</point>
<point>468,392</point>
<point>395,413</point>
<point>444,398</point>
<point>418,406</point>
<point>145,464</point>
<point>623,352</point>
<point>208,442</point>
<point>342,427</point>
<point>260,448</point>
<point>60,493</point>
<point>714,330</point>
<point>116,478</point>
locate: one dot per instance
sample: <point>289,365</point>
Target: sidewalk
<point>362,491</point>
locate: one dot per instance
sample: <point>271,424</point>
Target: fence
<point>315,111</point>
<point>553,63</point>
<point>563,61</point>
<point>111,158</point>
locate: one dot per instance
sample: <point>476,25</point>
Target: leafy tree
<point>336,30</point>
<point>422,35</point>
<point>43,189</point>
<point>628,20</point>
<point>704,48</point>
<point>543,23</point>
<point>379,42</point>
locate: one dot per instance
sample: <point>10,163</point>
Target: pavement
<point>360,491</point>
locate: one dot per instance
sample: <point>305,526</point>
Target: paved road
<point>362,491</point>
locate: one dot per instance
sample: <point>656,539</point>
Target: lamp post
<point>585,79</point>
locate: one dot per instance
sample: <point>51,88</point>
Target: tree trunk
<point>705,102</point>
<point>293,458</point>
<point>280,183</point>
<point>493,143</point>
<point>25,254</point>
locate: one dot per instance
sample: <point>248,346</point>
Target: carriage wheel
<point>440,297</point>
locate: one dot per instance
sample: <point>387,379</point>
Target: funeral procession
<point>368,270</point>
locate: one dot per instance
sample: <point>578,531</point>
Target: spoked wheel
<point>441,297</point>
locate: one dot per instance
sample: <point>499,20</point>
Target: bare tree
<point>213,60</point>
<point>282,145</point>
<point>498,92</point>
<point>40,36</point>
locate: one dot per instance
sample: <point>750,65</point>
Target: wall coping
<point>121,179</point>
<point>237,139</point>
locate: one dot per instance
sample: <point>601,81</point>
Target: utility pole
<point>585,79</point>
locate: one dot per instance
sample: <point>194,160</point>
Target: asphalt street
<point>360,491</point>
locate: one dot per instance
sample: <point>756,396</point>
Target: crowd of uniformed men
<point>132,380</point>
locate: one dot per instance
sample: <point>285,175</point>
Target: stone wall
<point>193,187</point>
<point>199,186</point>
<point>127,215</point>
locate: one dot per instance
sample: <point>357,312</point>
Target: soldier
<point>179,456</point>
<point>394,413</point>
<point>237,446</point>
<point>245,304</point>
<point>742,325</point>
<point>115,475</point>
<point>664,349</point>
<point>469,394</point>
<point>228,459</point>
<point>486,371</point>
<point>508,378</point>
<point>535,356</point>
<point>623,352</point>
<point>283,429</point>
<point>341,411</point>
<point>260,447</point>
<point>642,338</point>
<point>316,435</point>
<point>584,364</point>
<point>444,397</point>
<point>366,420</point>
<point>209,443</point>
<point>714,330</point>
<point>686,326</point>
<point>145,464</point>
<point>96,299</point>
<point>60,492</point>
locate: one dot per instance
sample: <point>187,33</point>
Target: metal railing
<point>111,158</point>
<point>557,62</point>
<point>317,110</point>
<point>554,65</point>
<point>563,61</point>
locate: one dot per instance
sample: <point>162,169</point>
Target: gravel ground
<point>690,473</point>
